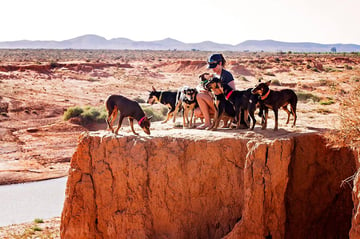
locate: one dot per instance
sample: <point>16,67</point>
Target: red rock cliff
<point>211,187</point>
<point>355,227</point>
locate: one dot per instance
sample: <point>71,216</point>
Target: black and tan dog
<point>224,108</point>
<point>168,98</point>
<point>127,108</point>
<point>245,104</point>
<point>187,101</point>
<point>274,100</point>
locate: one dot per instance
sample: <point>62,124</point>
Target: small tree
<point>333,49</point>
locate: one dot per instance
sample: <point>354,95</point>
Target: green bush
<point>305,96</point>
<point>87,114</point>
<point>157,115</point>
<point>36,228</point>
<point>327,101</point>
<point>38,220</point>
<point>72,112</point>
<point>90,114</point>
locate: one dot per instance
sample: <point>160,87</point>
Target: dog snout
<point>255,91</point>
<point>146,130</point>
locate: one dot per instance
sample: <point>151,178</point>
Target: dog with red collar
<point>128,109</point>
<point>224,109</point>
<point>245,104</point>
<point>275,99</point>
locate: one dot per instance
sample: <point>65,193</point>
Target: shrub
<point>347,67</point>
<point>327,101</point>
<point>276,82</point>
<point>355,79</point>
<point>348,133</point>
<point>90,114</point>
<point>305,96</point>
<point>269,74</point>
<point>139,100</point>
<point>243,78</point>
<point>315,69</point>
<point>38,220</point>
<point>87,114</point>
<point>72,112</point>
<point>157,114</point>
<point>36,228</point>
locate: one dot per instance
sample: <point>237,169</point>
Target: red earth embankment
<point>207,187</point>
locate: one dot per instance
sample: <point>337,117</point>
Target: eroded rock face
<point>355,227</point>
<point>179,187</point>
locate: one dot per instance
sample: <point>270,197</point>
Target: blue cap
<point>214,60</point>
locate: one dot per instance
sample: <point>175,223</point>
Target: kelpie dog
<point>274,100</point>
<point>188,102</point>
<point>128,108</point>
<point>168,98</point>
<point>224,109</point>
<point>205,78</point>
<point>244,104</point>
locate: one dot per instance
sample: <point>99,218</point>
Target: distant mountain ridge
<point>98,42</point>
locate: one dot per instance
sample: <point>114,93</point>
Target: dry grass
<point>349,132</point>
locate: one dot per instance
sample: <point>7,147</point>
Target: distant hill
<point>98,42</point>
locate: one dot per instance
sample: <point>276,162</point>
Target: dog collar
<point>141,120</point>
<point>229,94</point>
<point>265,96</point>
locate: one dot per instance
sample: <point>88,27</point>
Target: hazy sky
<point>189,21</point>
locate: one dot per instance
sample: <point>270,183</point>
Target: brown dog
<point>128,108</point>
<point>274,100</point>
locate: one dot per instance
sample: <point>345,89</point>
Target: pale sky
<point>189,21</point>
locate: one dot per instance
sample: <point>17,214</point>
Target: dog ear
<point>205,76</point>
<point>153,88</point>
<point>268,82</point>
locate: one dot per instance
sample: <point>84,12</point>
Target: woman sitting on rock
<point>206,109</point>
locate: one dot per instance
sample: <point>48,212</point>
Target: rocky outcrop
<point>229,186</point>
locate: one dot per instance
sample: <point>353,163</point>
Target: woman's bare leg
<point>206,106</point>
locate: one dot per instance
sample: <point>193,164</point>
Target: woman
<point>216,62</point>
